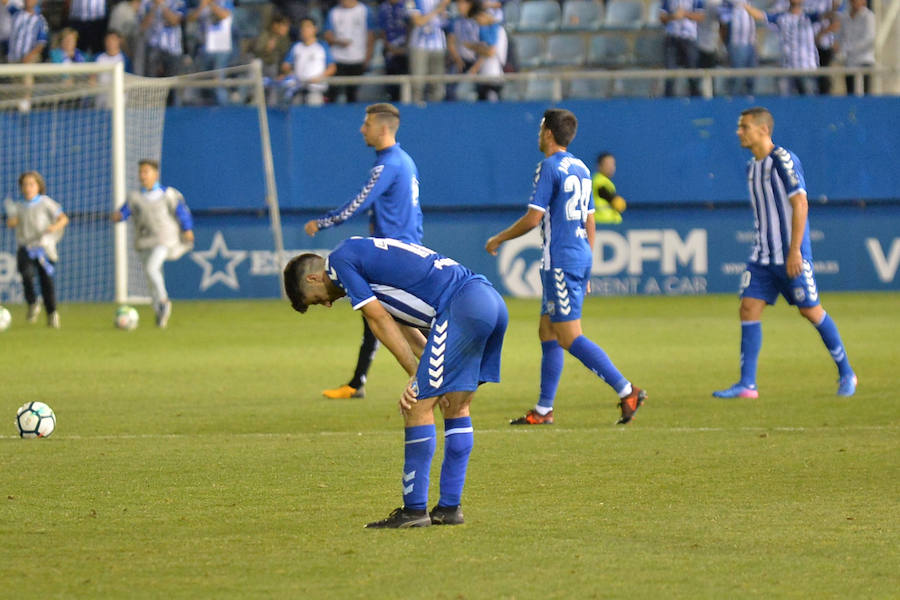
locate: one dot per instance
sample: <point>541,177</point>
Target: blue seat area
<point>608,50</point>
<point>582,15</point>
<point>538,89</point>
<point>652,19</point>
<point>648,49</point>
<point>565,50</point>
<point>539,15</point>
<point>624,14</point>
<point>589,88</point>
<point>529,50</point>
<point>511,12</point>
<point>636,88</point>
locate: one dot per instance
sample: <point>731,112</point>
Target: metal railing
<point>559,78</point>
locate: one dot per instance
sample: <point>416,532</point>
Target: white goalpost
<point>83,127</point>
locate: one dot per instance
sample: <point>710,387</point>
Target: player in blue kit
<point>391,196</point>
<point>398,287</point>
<point>562,204</point>
<point>781,259</point>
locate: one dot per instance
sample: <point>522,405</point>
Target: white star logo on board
<point>211,275</point>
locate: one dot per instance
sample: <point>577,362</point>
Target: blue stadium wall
<point>687,230</point>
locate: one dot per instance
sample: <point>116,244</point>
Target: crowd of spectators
<point>303,43</point>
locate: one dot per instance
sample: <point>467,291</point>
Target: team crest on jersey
<point>550,307</point>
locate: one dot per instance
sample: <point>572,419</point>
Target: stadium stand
<point>589,88</point>
<point>539,15</point>
<point>624,14</point>
<point>529,50</point>
<point>582,15</point>
<point>565,50</point>
<point>652,19</point>
<point>648,49</point>
<point>608,50</point>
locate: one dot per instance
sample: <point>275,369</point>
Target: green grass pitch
<point>202,462</point>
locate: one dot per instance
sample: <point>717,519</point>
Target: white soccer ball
<point>126,318</point>
<point>35,420</point>
<point>5,319</point>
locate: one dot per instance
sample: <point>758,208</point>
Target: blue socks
<point>418,451</point>
<point>829,332</point>
<point>595,359</point>
<point>552,356</point>
<point>458,441</point>
<point>751,342</point>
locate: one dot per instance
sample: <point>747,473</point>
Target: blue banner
<point>654,252</point>
<point>674,151</point>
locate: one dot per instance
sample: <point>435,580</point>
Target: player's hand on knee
<point>410,395</point>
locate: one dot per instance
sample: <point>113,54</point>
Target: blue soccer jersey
<point>413,283</point>
<point>562,191</point>
<point>392,192</point>
<point>771,182</point>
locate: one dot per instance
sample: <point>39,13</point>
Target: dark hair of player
<point>760,116</point>
<point>295,273</point>
<point>602,156</point>
<point>385,113</point>
<point>42,185</point>
<point>149,162</point>
<point>562,124</point>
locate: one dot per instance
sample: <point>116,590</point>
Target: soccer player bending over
<point>561,203</point>
<point>163,230</point>
<point>781,259</point>
<point>399,287</point>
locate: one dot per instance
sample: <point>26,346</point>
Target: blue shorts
<point>463,347</point>
<point>564,293</point>
<point>766,282</point>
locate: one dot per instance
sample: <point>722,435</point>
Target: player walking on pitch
<point>781,258</point>
<point>39,222</point>
<point>561,203</point>
<point>396,286</point>
<point>163,230</point>
<point>392,194</point>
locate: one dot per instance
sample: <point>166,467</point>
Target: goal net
<point>83,128</point>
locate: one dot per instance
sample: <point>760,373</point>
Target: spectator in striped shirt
<point>5,25</point>
<point>28,33</point>
<point>215,18</point>
<point>739,33</point>
<point>161,24</point>
<point>796,30</point>
<point>393,28</point>
<point>88,18</point>
<point>680,18</point>
<point>826,27</point>
<point>427,45</point>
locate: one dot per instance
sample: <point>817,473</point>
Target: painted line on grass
<point>513,430</point>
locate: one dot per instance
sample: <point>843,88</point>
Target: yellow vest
<point>603,212</point>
